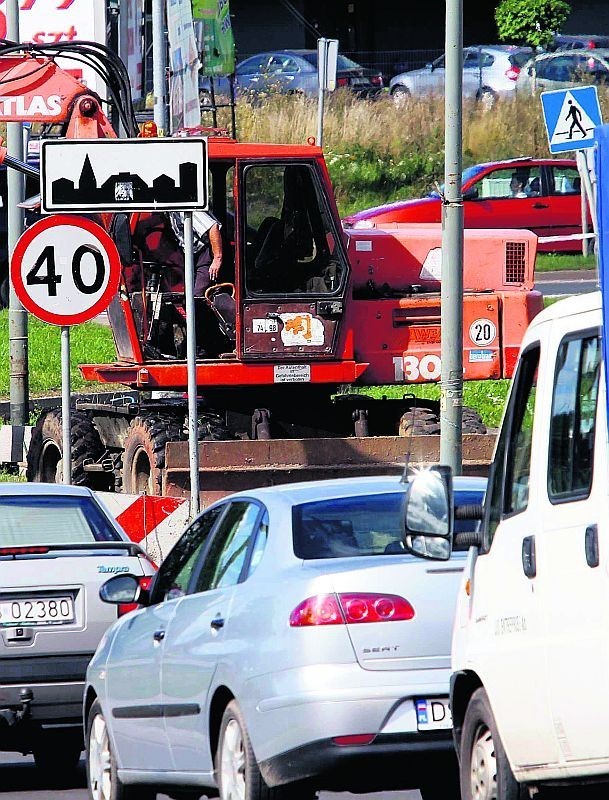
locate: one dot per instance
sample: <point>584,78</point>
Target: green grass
<point>89,343</point>
<point>548,262</point>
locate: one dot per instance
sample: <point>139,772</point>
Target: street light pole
<point>451,378</point>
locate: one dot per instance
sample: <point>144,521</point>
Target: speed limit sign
<point>65,269</point>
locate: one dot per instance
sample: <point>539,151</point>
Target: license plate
<point>39,611</point>
<point>433,714</point>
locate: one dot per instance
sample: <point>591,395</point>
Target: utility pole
<point>159,70</point>
<point>17,315</point>
<point>451,378</point>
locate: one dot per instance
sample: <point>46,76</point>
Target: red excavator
<point>303,314</point>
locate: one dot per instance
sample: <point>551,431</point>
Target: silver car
<point>289,645</point>
<point>58,545</point>
<point>489,72</point>
<point>564,68</point>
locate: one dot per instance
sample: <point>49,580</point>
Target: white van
<point>530,653</point>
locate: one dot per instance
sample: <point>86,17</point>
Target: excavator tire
<point>46,450</point>
<point>419,421</point>
<point>472,421</point>
<point>212,427</point>
<point>144,451</point>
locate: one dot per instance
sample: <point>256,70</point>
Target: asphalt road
<point>20,780</point>
<point>566,282</point>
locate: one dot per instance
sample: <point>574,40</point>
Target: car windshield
<point>35,520</point>
<point>466,176</point>
<point>342,62</point>
<point>366,525</point>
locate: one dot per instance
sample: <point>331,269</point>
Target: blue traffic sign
<point>571,116</point>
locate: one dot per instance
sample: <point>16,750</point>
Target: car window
<point>227,554</point>
<point>517,181</point>
<point>561,68</point>
<point>260,541</point>
<point>508,489</point>
<point>565,180</point>
<point>36,520</point>
<point>252,65</point>
<point>176,570</point>
<point>365,525</point>
<point>572,425</point>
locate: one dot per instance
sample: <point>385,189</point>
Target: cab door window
<point>508,491</point>
<point>572,426</point>
<point>290,241</point>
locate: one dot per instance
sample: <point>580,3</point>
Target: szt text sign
<point>65,270</point>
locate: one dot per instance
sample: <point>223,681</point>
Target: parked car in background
<point>549,203</point>
<point>288,642</point>
<point>489,72</point>
<point>58,545</point>
<point>577,41</point>
<point>564,68</point>
<point>293,72</point>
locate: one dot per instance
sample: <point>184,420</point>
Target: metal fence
<point>392,62</point>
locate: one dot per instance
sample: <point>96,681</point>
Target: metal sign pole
<point>191,365</point>
<point>322,64</point>
<point>66,421</point>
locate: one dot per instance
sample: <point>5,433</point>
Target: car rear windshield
<point>342,62</point>
<point>520,59</point>
<point>366,525</point>
<point>35,520</point>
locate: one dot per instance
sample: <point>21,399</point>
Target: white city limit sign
<point>123,175</point>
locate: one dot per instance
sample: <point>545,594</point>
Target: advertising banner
<point>52,21</point>
<point>184,66</point>
<point>218,45</point>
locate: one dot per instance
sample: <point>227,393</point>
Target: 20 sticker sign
<point>65,269</point>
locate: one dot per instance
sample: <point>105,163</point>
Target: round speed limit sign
<point>65,269</point>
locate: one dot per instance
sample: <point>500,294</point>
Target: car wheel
<point>239,776</point>
<point>487,98</point>
<point>399,95</point>
<point>58,752</point>
<point>102,775</point>
<point>442,786</point>
<point>485,770</point>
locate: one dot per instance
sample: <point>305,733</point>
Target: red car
<point>542,194</point>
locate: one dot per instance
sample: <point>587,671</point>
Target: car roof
<point>527,160</point>
<point>310,491</point>
<point>43,489</point>
<point>603,52</point>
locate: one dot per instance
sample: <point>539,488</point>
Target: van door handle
<point>217,623</point>
<point>529,563</point>
<point>592,555</point>
<point>158,636</point>
<point>540,205</point>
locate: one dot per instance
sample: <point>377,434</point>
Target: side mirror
<point>428,514</point>
<point>471,193</point>
<point>122,589</point>
<point>430,67</point>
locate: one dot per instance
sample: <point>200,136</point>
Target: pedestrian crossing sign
<point>571,115</point>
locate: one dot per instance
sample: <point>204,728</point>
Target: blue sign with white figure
<point>571,117</point>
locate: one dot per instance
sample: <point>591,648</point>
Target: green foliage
<point>530,22</point>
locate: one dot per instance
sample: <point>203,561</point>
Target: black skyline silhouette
<point>127,187</point>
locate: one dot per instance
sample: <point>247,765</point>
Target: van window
<point>508,491</point>
<point>572,425</point>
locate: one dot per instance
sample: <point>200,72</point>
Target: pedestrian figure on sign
<point>574,114</point>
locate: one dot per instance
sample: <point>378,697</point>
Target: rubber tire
<point>212,428</point>
<point>145,449</point>
<point>118,790</point>
<point>419,421</point>
<point>444,785</point>
<point>57,753</point>
<point>255,786</point>
<point>46,449</point>
<point>399,95</point>
<point>472,421</point>
<point>479,721</point>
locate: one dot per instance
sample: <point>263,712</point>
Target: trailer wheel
<point>144,452</point>
<point>46,450</point>
<point>419,421</point>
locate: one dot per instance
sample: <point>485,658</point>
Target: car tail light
<point>356,738</point>
<point>350,608</point>
<point>32,550</point>
<point>376,80</point>
<point>512,73</point>
<point>342,81</point>
<point>125,608</point>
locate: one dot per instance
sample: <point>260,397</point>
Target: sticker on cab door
<point>301,329</point>
<point>482,331</point>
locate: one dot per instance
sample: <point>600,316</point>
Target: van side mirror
<point>428,514</point>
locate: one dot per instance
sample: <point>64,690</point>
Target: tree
<point>530,22</point>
